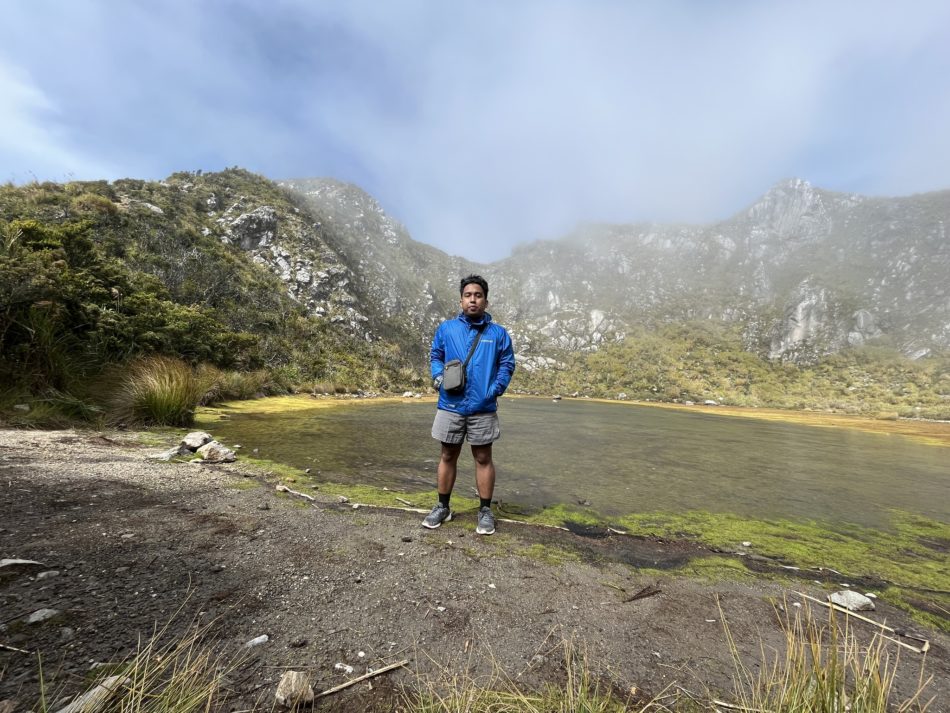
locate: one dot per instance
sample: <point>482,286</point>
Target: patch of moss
<point>548,554</point>
<point>717,569</point>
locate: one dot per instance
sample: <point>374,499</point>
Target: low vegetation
<point>703,361</point>
<point>824,668</point>
<point>164,674</point>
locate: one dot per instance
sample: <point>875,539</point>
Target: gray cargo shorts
<point>480,428</point>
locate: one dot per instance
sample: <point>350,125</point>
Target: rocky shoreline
<point>126,542</point>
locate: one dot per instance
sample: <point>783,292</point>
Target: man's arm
<point>437,358</point>
<point>506,365</point>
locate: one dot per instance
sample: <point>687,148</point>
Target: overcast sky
<point>480,125</point>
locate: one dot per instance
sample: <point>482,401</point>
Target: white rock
<point>294,689</point>
<point>15,562</point>
<point>194,440</point>
<point>747,544</point>
<point>257,641</point>
<point>41,615</point>
<point>95,699</point>
<point>215,452</point>
<point>344,668</point>
<point>21,407</point>
<point>851,600</point>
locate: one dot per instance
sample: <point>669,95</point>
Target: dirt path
<point>134,540</point>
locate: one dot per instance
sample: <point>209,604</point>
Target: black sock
<point>444,499</point>
<point>486,503</point>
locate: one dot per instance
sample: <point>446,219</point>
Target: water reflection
<point>620,458</point>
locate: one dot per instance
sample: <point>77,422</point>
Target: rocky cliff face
<point>803,271</point>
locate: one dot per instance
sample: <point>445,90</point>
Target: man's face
<point>474,301</point>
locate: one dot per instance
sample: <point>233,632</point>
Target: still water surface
<point>621,458</point>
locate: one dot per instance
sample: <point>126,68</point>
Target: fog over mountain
<point>803,271</point>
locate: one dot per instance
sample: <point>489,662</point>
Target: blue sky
<point>481,125</point>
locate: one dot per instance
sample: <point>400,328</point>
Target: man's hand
<point>437,382</point>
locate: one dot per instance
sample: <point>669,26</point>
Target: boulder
<point>215,452</point>
<point>194,440</point>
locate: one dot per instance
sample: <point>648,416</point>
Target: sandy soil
<point>133,541</point>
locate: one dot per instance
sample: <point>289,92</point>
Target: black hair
<point>474,280</point>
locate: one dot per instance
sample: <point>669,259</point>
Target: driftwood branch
<point>285,489</point>
<point>648,591</point>
<point>371,674</point>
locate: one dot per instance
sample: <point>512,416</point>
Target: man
<point>472,411</point>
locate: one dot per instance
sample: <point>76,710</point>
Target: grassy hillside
<point>94,276</point>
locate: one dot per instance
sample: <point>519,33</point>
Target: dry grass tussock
<point>824,669</point>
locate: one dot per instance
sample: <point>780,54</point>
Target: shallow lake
<point>620,458</point>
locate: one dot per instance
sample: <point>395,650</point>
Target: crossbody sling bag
<point>453,375</point>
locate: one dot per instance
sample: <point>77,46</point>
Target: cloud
<point>481,125</point>
<point>34,144</point>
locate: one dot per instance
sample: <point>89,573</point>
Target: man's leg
<point>485,481</point>
<point>484,471</point>
<point>448,467</point>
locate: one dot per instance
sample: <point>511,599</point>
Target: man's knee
<point>482,454</point>
<point>450,452</point>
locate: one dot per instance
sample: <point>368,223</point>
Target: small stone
<point>344,668</point>
<point>48,573</point>
<point>21,407</point>
<point>18,562</point>
<point>747,544</point>
<point>294,689</point>
<point>343,499</point>
<point>356,506</point>
<point>257,641</point>
<point>96,698</point>
<point>41,615</point>
<point>67,634</point>
<point>263,506</point>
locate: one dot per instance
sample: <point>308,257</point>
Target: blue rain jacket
<point>489,370</point>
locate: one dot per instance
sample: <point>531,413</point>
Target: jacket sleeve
<point>506,365</point>
<point>437,354</point>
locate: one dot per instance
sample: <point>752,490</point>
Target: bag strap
<point>471,351</point>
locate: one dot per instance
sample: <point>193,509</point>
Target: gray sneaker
<point>440,513</point>
<point>486,521</point>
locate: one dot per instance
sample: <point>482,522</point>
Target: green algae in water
<point>866,504</point>
<point>621,459</point>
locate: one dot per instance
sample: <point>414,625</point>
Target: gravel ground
<point>127,543</point>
